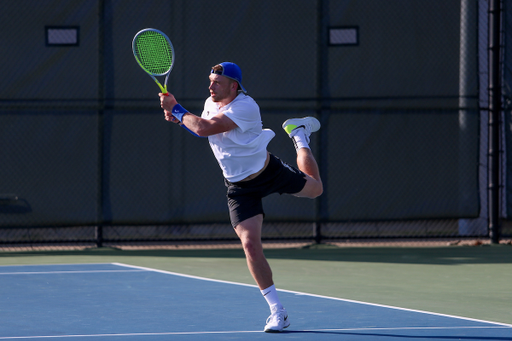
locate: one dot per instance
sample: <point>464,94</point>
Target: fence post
<point>101,115</point>
<point>468,102</point>
<point>322,111</point>
<point>494,119</point>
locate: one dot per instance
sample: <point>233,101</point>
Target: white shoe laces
<point>276,319</point>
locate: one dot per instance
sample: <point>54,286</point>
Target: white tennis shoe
<point>277,321</point>
<point>310,125</point>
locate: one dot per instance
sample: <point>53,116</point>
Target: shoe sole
<point>276,330</point>
<point>315,126</point>
<point>273,331</point>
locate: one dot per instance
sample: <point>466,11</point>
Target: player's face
<point>221,88</point>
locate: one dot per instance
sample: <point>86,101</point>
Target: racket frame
<point>163,88</point>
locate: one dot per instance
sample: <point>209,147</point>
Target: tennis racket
<point>154,52</point>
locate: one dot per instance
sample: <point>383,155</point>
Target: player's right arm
<point>197,125</point>
<point>203,127</point>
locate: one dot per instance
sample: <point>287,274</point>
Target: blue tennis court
<point>122,302</point>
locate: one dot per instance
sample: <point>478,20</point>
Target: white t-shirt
<point>242,151</point>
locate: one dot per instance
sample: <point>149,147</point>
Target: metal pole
<point>468,89</point>
<point>323,111</point>
<point>101,112</point>
<point>494,119</point>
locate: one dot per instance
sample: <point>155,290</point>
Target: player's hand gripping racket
<point>154,52</point>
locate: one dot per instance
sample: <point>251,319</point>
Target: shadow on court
<point>399,336</point>
<point>454,255</point>
<point>458,280</point>
<point>106,301</point>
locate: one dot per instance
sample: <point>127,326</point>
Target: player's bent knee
<point>317,191</point>
<point>313,189</point>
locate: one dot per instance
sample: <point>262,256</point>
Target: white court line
<point>318,296</point>
<point>341,330</point>
<point>50,265</point>
<point>67,272</point>
<point>186,276</point>
<point>399,308</point>
<point>404,328</point>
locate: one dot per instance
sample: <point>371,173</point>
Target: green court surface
<point>473,282</point>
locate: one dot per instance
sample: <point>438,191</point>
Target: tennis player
<point>232,122</point>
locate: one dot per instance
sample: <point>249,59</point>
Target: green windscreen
<point>154,52</point>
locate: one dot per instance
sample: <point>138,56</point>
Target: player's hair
<point>218,69</point>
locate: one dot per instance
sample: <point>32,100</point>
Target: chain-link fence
<point>400,88</point>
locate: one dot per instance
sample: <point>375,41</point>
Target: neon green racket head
<point>153,51</point>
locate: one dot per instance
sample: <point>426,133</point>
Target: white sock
<point>299,139</point>
<point>270,295</point>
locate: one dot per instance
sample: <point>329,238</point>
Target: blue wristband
<point>178,111</point>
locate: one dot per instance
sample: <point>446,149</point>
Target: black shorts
<point>245,197</point>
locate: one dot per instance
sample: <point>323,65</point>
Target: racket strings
<point>154,52</point>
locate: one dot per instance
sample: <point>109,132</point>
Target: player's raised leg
<point>299,130</point>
